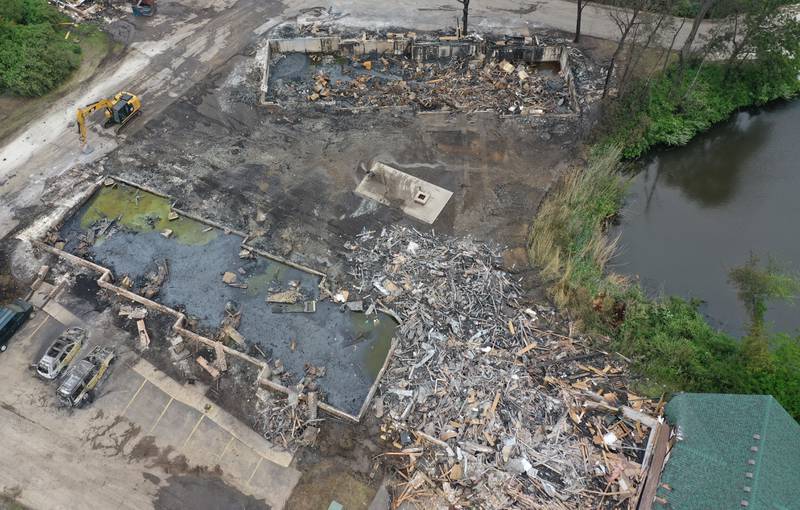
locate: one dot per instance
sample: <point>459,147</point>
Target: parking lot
<point>144,440</point>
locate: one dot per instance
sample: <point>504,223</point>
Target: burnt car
<point>61,353</point>
<point>82,378</point>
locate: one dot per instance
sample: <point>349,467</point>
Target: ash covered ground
<point>288,177</point>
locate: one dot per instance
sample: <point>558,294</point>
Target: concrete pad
<point>61,314</point>
<point>175,424</point>
<point>147,406</point>
<point>41,295</point>
<point>415,197</point>
<point>239,461</point>
<point>276,483</point>
<point>207,444</point>
<point>193,396</point>
<point>119,388</point>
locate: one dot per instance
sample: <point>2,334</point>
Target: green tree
<point>757,286</point>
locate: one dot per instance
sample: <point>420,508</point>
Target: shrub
<point>34,56</point>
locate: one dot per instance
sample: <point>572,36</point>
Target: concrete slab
<point>207,444</point>
<point>175,424</point>
<point>193,396</point>
<point>121,384</point>
<point>146,406</point>
<point>239,461</point>
<point>41,295</point>
<point>275,482</point>
<point>415,197</point>
<point>61,314</point>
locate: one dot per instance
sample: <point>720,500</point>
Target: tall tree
<point>465,16</point>
<point>757,286</point>
<point>581,6</point>
<point>626,20</point>
<point>686,49</point>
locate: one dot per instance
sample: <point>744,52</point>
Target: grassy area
<point>568,240</point>
<point>671,345</point>
<point>96,45</point>
<point>35,54</point>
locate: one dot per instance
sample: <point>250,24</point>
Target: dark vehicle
<point>12,316</point>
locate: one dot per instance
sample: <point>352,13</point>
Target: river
<point>695,212</point>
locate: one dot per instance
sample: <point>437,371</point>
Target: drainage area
<point>207,272</point>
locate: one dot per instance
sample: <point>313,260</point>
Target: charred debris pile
<point>490,402</point>
<point>509,76</point>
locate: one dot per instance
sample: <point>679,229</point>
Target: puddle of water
<point>261,282</point>
<point>351,346</point>
<point>379,327</point>
<point>140,211</point>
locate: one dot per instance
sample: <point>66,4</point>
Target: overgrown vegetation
<point>750,58</point>
<point>671,345</point>
<point>690,8</point>
<point>35,55</point>
<point>568,240</point>
<point>661,113</point>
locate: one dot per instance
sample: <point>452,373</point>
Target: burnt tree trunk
<point>581,5</point>
<point>465,16</point>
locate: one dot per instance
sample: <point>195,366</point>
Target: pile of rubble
<point>491,403</point>
<point>457,84</point>
<point>82,9</point>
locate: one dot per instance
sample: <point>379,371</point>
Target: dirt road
<point>166,55</point>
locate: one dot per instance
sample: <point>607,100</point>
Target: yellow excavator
<point>119,110</point>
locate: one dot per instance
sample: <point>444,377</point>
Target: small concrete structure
<point>415,197</point>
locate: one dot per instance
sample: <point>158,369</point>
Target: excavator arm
<point>88,110</point>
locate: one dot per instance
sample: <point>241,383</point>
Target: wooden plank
<point>657,465</point>
<point>211,370</point>
<point>220,361</point>
<point>144,338</point>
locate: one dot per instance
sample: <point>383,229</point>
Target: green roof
<point>734,448</point>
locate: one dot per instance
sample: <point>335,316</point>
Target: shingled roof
<point>735,451</point>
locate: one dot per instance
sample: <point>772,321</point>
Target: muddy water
<point>350,346</point>
<point>695,212</point>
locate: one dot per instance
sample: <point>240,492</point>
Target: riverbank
<point>671,345</point>
<point>693,213</point>
<point>674,107</point>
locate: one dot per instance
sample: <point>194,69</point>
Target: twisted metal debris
<point>486,404</point>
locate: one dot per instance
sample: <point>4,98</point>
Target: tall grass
<point>568,239</point>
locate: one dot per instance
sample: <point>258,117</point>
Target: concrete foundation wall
<point>305,45</point>
<point>421,52</point>
<point>426,51</point>
<point>363,47</point>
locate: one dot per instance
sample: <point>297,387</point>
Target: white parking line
<point>144,381</point>
<point>44,321</point>
<point>161,415</point>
